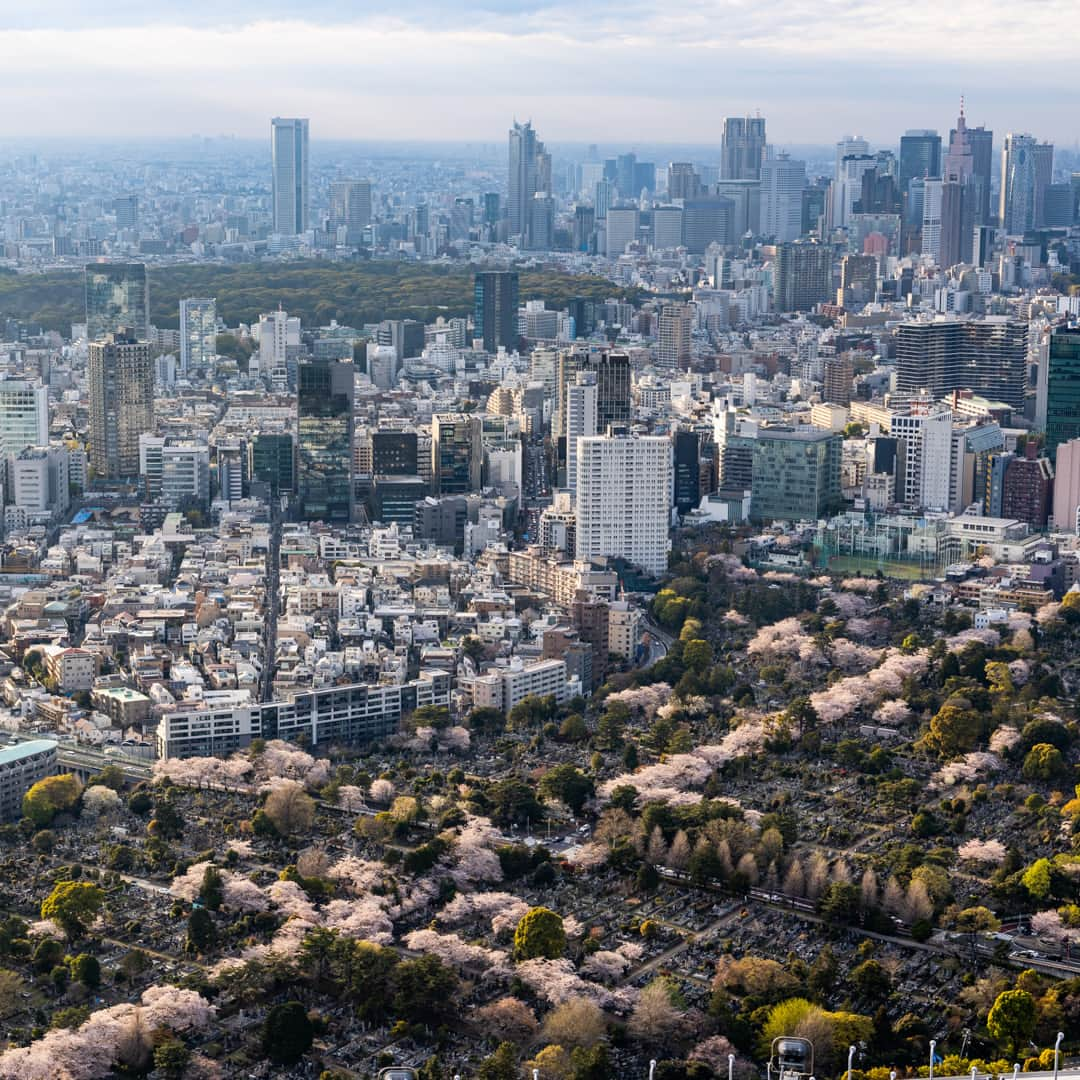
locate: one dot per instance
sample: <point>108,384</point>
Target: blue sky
<point>594,70</point>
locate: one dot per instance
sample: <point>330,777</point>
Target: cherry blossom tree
<point>991,852</point>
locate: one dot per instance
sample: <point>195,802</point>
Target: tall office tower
<point>625,178</point>
<point>613,396</point>
<point>324,441</point>
<point>848,188</point>
<point>667,227</point>
<point>957,233</point>
<point>1062,388</point>
<point>782,182</point>
<point>623,504</point>
<point>673,329</point>
<point>802,276</point>
<point>745,196</point>
<point>117,297</point>
<point>687,470</point>
<point>495,295</point>
<point>849,146</point>
<point>279,342</point>
<point>584,227</point>
<point>457,453</point>
<point>581,414</point>
<point>24,416</point>
<point>602,199</point>
<point>621,228</point>
<point>121,377</point>
<point>461,218</point>
<point>988,356</point>
<point>350,207</point>
<point>707,221</point>
<point>931,219</point>
<point>742,148</point>
<point>542,222</point>
<point>981,141</point>
<point>839,374</point>
<point>683,182</point>
<point>492,208</point>
<point>528,164</point>
<point>289,150</point>
<point>920,155</point>
<point>1044,174</point>
<point>198,333</point>
<point>126,209</point>
<point>1018,184</point>
<point>796,475</point>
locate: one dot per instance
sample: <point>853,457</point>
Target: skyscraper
<point>350,206</point>
<point>683,181</point>
<point>1018,184</point>
<point>198,333</point>
<point>117,296</point>
<point>1062,389</point>
<point>623,503</point>
<point>529,173</point>
<point>981,141</point>
<point>613,387</point>
<point>802,276</point>
<point>121,379</point>
<point>687,470</point>
<point>289,149</point>
<point>742,148</point>
<point>324,443</point>
<point>988,356</point>
<point>495,296</point>
<point>920,155</point>
<point>782,182</point>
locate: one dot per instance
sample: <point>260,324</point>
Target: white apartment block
<point>24,415</point>
<point>624,499</point>
<point>925,433</point>
<point>503,689</point>
<point>581,413</point>
<point>352,714</point>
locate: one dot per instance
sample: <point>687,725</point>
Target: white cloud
<point>597,70</point>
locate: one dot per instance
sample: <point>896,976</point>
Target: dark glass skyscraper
<point>1063,388</point>
<point>121,377</point>
<point>687,471</point>
<point>495,313</point>
<point>117,298</point>
<point>324,424</point>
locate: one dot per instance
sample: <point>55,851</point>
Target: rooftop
<point>11,754</point>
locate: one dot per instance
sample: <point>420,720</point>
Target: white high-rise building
<point>581,412</point>
<point>924,431</point>
<point>198,333</point>
<point>782,183</point>
<point>849,147</point>
<point>289,147</point>
<point>931,218</point>
<point>623,504</point>
<point>24,415</point>
<point>279,339</point>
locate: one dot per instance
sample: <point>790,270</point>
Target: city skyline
<point>800,68</point>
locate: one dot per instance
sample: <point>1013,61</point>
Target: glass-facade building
<point>198,332</point>
<point>324,441</point>
<point>117,298</point>
<point>271,461</point>
<point>495,296</point>
<point>796,475</point>
<point>1063,388</point>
